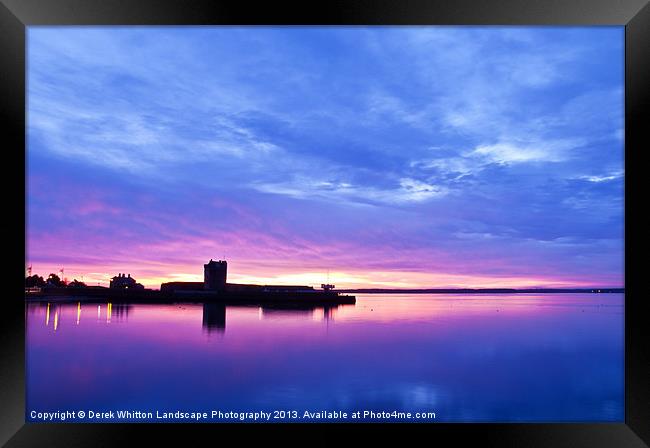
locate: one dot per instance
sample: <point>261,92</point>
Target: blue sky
<point>390,156</point>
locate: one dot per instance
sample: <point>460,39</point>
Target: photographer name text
<point>220,415</point>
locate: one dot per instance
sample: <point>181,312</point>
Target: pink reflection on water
<point>411,348</point>
<point>182,323</point>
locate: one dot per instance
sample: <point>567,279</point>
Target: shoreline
<point>156,296</point>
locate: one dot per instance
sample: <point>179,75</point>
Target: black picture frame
<point>16,15</point>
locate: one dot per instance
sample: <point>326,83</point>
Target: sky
<point>387,157</point>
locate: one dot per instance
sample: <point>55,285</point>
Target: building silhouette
<point>214,275</point>
<point>122,281</point>
<point>181,286</point>
<point>215,280</point>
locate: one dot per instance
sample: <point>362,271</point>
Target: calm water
<point>467,358</point>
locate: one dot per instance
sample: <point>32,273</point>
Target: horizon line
<point>500,283</point>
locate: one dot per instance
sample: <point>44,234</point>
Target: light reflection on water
<point>526,357</point>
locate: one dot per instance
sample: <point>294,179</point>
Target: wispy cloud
<point>521,152</point>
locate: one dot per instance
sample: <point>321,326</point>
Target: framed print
<point>358,216</point>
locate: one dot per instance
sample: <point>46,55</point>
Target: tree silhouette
<point>54,280</point>
<point>34,281</point>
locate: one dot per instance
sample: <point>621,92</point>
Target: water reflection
<point>54,311</point>
<point>468,358</point>
<point>213,314</point>
<point>214,317</point>
<point>120,311</point>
